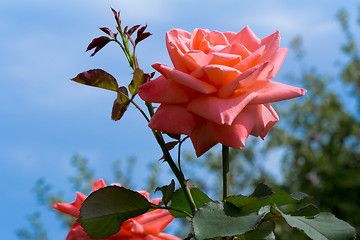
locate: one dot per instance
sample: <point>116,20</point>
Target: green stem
<point>150,108</point>
<point>154,206</point>
<point>179,154</point>
<point>137,106</point>
<point>174,168</point>
<point>226,173</point>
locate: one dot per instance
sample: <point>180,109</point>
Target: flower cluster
<point>219,89</point>
<point>148,226</point>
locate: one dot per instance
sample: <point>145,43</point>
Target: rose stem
<point>174,168</point>
<point>226,173</point>
<point>179,175</point>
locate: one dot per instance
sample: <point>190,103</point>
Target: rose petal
<point>196,59</point>
<point>177,43</point>
<point>265,120</point>
<point>173,119</point>
<point>225,59</point>
<point>98,184</point>
<point>274,91</point>
<point>205,46</point>
<point>272,44</point>
<point>163,90</point>
<point>165,236</point>
<point>136,227</point>
<point>77,233</point>
<point>259,72</point>
<point>145,194</point>
<point>197,38</point>
<point>236,134</point>
<point>184,79</point>
<point>71,208</point>
<point>229,35</point>
<point>217,38</point>
<point>237,49</point>
<point>219,110</point>
<point>256,120</point>
<point>202,139</point>
<point>155,221</point>
<point>277,60</point>
<point>251,60</point>
<point>156,201</point>
<point>247,38</point>
<point>180,38</point>
<point>176,57</point>
<point>219,75</point>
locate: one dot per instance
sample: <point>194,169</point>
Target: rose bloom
<point>219,89</point>
<point>148,226</point>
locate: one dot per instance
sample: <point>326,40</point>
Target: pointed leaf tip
<point>133,29</point>
<point>261,191</point>
<point>141,35</point>
<point>108,32</point>
<point>324,226</point>
<point>98,44</point>
<point>167,191</point>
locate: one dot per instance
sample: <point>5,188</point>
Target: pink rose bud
<point>219,89</point>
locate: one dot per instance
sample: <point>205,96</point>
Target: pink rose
<point>148,226</point>
<point>219,89</point>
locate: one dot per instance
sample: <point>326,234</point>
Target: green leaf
<point>103,212</point>
<point>307,211</point>
<point>97,78</point>
<point>261,191</point>
<point>120,105</point>
<point>221,219</point>
<point>179,201</point>
<point>167,191</point>
<point>261,198</point>
<point>324,226</point>
<point>264,231</point>
<point>139,78</point>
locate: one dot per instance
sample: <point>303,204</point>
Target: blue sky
<point>45,118</point>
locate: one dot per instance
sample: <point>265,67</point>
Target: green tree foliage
<point>321,137</point>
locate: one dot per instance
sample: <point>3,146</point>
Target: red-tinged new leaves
<point>117,16</point>
<point>141,30</point>
<point>141,35</point>
<point>97,78</point>
<point>98,43</point>
<point>121,104</point>
<point>108,32</point>
<point>133,29</point>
